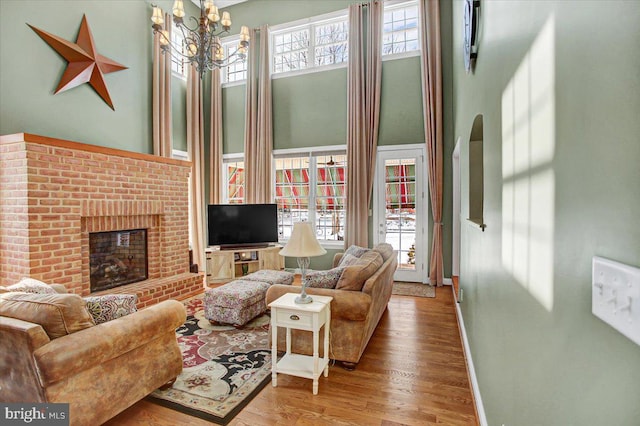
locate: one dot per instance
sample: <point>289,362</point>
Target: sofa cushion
<point>58,314</point>
<point>31,285</point>
<point>385,250</point>
<point>111,306</point>
<point>354,276</point>
<point>324,279</point>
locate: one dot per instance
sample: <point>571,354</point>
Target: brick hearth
<point>53,193</point>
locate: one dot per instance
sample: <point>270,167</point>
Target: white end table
<point>310,317</point>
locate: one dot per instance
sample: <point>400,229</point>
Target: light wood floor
<point>412,373</point>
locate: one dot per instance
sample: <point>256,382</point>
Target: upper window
<point>400,33</point>
<point>178,63</point>
<point>316,43</point>
<point>236,71</point>
<point>233,177</point>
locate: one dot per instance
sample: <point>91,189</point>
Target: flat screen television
<point>242,225</point>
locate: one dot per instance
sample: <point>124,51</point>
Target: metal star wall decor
<point>85,65</point>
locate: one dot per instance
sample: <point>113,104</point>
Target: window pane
<point>292,193</point>
<point>235,182</point>
<point>330,197</point>
<point>400,30</point>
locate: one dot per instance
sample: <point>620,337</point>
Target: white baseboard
<point>482,417</point>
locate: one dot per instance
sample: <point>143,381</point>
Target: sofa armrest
<point>337,258</point>
<point>59,288</point>
<point>348,305</point>
<point>68,355</point>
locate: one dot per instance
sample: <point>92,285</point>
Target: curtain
<point>431,66</point>
<point>363,117</point>
<point>258,131</point>
<point>195,145</point>
<point>161,89</point>
<point>215,140</point>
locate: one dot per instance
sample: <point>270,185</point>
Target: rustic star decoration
<point>85,65</point>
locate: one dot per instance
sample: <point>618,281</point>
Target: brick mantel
<point>54,192</point>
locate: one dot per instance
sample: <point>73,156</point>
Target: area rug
<point>224,367</point>
<point>413,289</point>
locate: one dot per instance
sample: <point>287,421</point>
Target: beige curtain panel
<point>258,132</point>
<point>431,65</point>
<point>161,88</point>
<point>195,144</point>
<point>363,117</point>
<point>215,140</point>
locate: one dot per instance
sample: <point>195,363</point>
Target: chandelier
<point>201,46</point>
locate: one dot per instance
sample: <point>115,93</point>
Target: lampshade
<point>303,242</point>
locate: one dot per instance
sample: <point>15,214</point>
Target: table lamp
<point>303,245</point>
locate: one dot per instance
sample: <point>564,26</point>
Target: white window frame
<point>312,153</point>
<point>231,43</point>
<point>310,24</point>
<point>390,6</point>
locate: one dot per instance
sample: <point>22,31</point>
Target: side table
<point>310,317</point>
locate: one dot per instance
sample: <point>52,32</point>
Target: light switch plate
<point>616,296</point>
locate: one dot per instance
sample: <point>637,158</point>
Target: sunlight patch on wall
<point>528,189</point>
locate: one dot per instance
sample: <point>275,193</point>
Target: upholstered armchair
<point>52,351</point>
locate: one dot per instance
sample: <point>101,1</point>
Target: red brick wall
<point>53,193</point>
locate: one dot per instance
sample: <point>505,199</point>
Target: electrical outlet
<point>616,296</point>
<point>460,295</point>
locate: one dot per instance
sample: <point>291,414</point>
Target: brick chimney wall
<point>54,192</point>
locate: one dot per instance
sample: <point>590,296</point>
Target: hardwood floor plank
<point>412,373</point>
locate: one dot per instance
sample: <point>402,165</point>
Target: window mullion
<point>313,170</point>
<point>312,47</point>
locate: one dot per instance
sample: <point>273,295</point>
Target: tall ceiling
<point>221,3</point>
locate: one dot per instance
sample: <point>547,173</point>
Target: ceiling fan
<point>331,162</point>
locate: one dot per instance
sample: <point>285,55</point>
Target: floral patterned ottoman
<point>270,276</point>
<point>237,302</point>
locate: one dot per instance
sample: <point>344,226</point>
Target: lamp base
<point>303,300</point>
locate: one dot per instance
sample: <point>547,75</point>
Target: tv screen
<point>237,225</point>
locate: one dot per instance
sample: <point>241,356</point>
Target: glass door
<point>400,210</point>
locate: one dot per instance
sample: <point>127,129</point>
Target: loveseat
<point>52,351</point>
<point>356,307</point>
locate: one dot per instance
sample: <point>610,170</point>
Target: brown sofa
<point>354,314</point>
<point>100,370</point>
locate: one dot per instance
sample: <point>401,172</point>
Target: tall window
<point>236,71</point>
<point>312,188</point>
<point>178,63</point>
<point>317,42</point>
<point>400,32</point>
<point>233,170</point>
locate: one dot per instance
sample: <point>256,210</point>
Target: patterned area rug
<point>224,367</point>
<point>413,289</point>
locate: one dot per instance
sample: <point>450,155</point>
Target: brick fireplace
<point>54,193</point>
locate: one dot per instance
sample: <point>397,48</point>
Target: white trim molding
<point>475,388</point>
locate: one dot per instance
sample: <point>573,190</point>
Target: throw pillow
<point>348,260</point>
<point>31,285</point>
<point>58,314</point>
<point>324,279</point>
<point>356,251</point>
<point>354,276</point>
<point>111,306</point>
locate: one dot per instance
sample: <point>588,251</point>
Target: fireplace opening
<point>117,258</point>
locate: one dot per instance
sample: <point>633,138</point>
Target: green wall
<point>558,86</point>
<point>311,109</point>
<point>30,71</point>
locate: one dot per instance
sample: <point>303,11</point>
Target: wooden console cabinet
<point>227,265</point>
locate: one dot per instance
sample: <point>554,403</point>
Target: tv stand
<point>225,264</point>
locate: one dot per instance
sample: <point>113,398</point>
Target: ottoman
<point>271,277</point>
<point>237,302</point>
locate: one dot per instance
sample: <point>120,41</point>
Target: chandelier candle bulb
<point>164,39</point>
<point>208,5</point>
<point>157,18</point>
<point>178,9</point>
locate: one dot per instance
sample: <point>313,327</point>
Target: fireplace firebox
<point>117,258</point>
